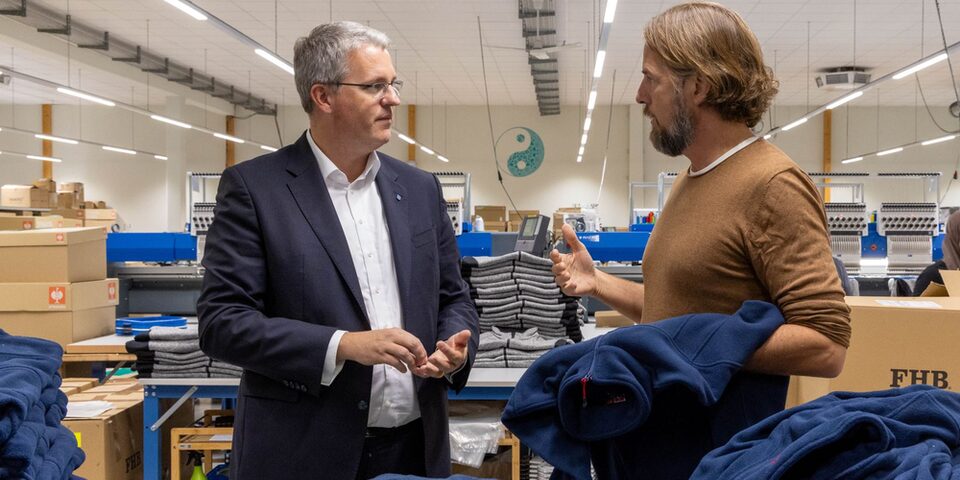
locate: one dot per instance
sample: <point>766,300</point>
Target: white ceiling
<point>437,48</point>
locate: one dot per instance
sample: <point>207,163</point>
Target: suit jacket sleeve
<point>232,326</point>
<point>457,311</point>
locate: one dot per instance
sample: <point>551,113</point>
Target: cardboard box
<point>100,214</point>
<point>65,255</point>
<point>491,213</point>
<point>513,226</point>
<point>73,385</point>
<point>611,318</point>
<point>492,226</point>
<point>26,196</point>
<point>72,213</point>
<point>46,184</point>
<point>518,216</point>
<point>106,225</point>
<point>63,327</point>
<point>76,188</point>
<point>32,223</point>
<point>45,297</point>
<point>67,200</point>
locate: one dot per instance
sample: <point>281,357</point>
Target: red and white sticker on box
<point>27,224</point>
<point>57,296</point>
<point>60,237</point>
<point>112,291</point>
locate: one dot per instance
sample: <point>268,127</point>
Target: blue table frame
<point>484,384</point>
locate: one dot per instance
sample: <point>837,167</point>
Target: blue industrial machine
<point>151,247</point>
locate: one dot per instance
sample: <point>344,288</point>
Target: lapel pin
<point>399,197</point>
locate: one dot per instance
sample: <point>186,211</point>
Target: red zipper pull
<point>583,385</point>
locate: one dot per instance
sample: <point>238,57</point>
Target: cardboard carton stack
<point>53,284</point>
<point>558,218</point>
<point>516,218</point>
<point>494,217</point>
<point>42,194</point>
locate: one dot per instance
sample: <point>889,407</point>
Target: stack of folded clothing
<point>500,349</point>
<point>516,292</point>
<point>540,469</point>
<point>33,443</point>
<point>173,352</point>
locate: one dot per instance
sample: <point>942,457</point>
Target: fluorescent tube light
<point>427,150</point>
<point>119,150</point>
<point>888,152</point>
<point>275,60</point>
<point>189,10</point>
<point>920,66</point>
<point>583,139</point>
<point>795,124</point>
<point>939,140</point>
<point>852,160</point>
<point>610,11</point>
<point>86,96</point>
<point>45,159</point>
<point>592,101</point>
<point>586,125</point>
<point>442,158</point>
<point>579,158</point>
<point>767,136</point>
<point>55,139</point>
<point>580,153</point>
<point>268,148</point>
<point>406,138</point>
<point>598,69</point>
<point>229,138</point>
<point>171,121</point>
<point>845,99</point>
<point>160,157</point>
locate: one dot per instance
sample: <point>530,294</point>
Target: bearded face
<point>672,130</point>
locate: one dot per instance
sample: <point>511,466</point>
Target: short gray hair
<point>321,56</point>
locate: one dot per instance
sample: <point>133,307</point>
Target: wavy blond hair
<point>708,40</point>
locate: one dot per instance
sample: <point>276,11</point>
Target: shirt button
<point>362,405</point>
<point>377,291</point>
<point>360,221</point>
<point>369,255</point>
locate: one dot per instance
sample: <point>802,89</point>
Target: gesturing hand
<point>448,357</point>
<point>574,271</point>
<point>392,346</point>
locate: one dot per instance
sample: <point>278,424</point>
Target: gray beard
<point>677,137</point>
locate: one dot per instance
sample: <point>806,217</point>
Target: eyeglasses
<point>379,89</point>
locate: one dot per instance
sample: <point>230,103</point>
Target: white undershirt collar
<point>730,153</point>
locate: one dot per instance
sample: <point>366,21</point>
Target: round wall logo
<point>526,150</point>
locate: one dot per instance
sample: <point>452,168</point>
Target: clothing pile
<point>905,433</point>
<point>33,443</point>
<point>539,469</point>
<point>523,313</point>
<point>173,352</point>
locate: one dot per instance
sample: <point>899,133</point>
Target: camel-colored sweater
<point>753,228</point>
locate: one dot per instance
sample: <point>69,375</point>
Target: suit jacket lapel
<point>393,195</point>
<point>310,192</point>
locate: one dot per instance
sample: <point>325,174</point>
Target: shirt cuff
<point>331,367</point>
<point>449,376</point>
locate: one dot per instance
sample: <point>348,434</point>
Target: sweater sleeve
<point>790,251</point>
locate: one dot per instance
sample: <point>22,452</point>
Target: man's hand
<point>574,271</point>
<point>448,357</point>
<point>392,346</point>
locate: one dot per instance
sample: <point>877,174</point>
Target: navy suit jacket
<point>280,281</point>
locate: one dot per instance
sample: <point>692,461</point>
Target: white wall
<point>146,192</point>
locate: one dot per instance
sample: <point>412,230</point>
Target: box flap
<point>951,280</point>
<point>51,237</point>
<point>915,303</point>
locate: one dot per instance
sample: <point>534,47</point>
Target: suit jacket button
<point>362,405</point>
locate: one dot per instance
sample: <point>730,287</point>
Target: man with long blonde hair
<point>743,222</point>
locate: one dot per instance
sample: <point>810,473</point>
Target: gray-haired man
<point>333,279</point>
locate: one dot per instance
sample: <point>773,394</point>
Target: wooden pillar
<point>412,132</point>
<point>827,149</point>
<point>47,119</point>
<point>231,147</point>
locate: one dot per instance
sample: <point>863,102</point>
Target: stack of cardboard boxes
<point>516,218</point>
<point>53,284</point>
<point>42,194</point>
<point>494,217</point>
<point>66,203</point>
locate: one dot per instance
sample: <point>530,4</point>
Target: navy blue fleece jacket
<point>907,433</point>
<point>591,401</point>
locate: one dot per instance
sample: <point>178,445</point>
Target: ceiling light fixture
<point>406,138</point>
<point>579,159</point>
<point>795,124</point>
<point>442,158</point>
<point>268,148</point>
<point>598,68</point>
<point>229,138</point>
<point>427,150</point>
<point>85,96</point>
<point>841,101</point>
<point>274,60</point>
<point>938,140</point>
<point>583,139</point>
<point>580,153</point>
<point>851,160</point>
<point>119,150</point>
<point>45,159</point>
<point>920,66</point>
<point>888,152</point>
<point>51,138</point>
<point>610,11</point>
<point>586,125</point>
<point>188,9</point>
<point>171,121</point>
<point>160,157</point>
<point>592,101</point>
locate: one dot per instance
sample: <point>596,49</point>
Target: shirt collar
<point>331,172</point>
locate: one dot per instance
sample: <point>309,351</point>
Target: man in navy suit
<point>333,279</point>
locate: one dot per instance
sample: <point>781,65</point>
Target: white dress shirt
<point>393,400</point>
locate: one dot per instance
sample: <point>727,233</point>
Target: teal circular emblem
<point>525,151</point>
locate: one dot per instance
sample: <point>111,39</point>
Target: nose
<point>391,98</point>
<point>641,95</point>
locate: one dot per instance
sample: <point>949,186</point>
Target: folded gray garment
<point>174,333</point>
<point>527,306</point>
<point>174,346</point>
<point>521,257</point>
<point>198,374</point>
<point>493,302</point>
<point>513,281</point>
<point>527,340</point>
<point>194,366</point>
<point>180,357</point>
<point>554,292</point>
<point>480,273</point>
<point>477,271</point>
<point>481,363</point>
<point>551,333</point>
<point>502,353</point>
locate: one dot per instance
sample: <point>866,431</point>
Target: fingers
<point>459,340</point>
<point>411,343</point>
<point>445,358</point>
<point>570,237</point>
<point>428,370</point>
<point>556,257</point>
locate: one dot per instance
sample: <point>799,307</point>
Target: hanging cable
<point>606,146</point>
<point>496,162</point>
<point>956,95</point>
